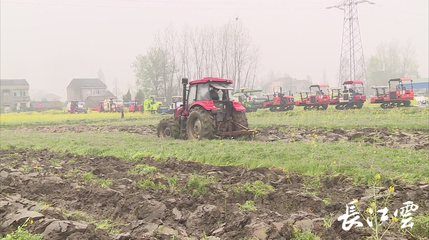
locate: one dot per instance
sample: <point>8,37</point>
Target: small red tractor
<point>207,112</point>
<point>319,98</point>
<point>398,95</point>
<point>99,108</point>
<point>303,99</point>
<point>76,107</point>
<point>380,94</point>
<point>280,101</point>
<point>135,107</point>
<point>351,97</point>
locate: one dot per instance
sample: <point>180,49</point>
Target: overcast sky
<point>49,42</point>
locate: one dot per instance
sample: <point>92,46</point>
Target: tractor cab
<point>207,112</point>
<point>319,93</point>
<point>398,95</point>
<point>176,101</point>
<point>250,99</point>
<point>336,94</point>
<point>380,94</point>
<point>280,101</point>
<point>353,91</point>
<point>76,107</point>
<point>397,90</point>
<point>135,107</point>
<point>303,98</point>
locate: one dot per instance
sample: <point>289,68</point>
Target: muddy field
<point>416,139</point>
<point>67,196</point>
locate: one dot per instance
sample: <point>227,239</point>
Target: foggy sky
<point>49,42</point>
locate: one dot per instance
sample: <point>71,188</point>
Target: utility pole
<point>352,61</point>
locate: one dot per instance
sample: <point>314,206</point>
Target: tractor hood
<point>221,86</point>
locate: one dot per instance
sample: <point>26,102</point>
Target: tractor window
<point>203,92</point>
<point>192,94</point>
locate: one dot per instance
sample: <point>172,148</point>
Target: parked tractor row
<point>320,96</point>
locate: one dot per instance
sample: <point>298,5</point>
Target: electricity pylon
<point>352,61</point>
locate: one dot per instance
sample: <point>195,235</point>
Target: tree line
<point>224,51</point>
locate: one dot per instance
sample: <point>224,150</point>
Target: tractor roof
<point>353,82</point>
<point>320,85</point>
<point>378,87</point>
<point>211,79</point>
<point>401,79</point>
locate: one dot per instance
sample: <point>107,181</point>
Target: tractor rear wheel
<point>239,117</point>
<point>200,124</point>
<point>324,106</point>
<point>168,128</point>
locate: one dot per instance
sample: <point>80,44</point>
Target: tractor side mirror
<point>184,81</point>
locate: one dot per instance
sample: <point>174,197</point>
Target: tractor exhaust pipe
<point>183,118</point>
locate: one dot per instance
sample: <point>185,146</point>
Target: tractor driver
<point>214,94</point>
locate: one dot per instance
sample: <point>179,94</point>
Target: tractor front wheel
<point>407,103</point>
<point>168,128</point>
<point>359,105</point>
<point>200,124</point>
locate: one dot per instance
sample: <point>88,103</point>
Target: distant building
<point>92,101</point>
<point>289,85</point>
<point>80,89</point>
<point>14,95</point>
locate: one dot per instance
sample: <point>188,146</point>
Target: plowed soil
<point>50,188</point>
<point>416,139</point>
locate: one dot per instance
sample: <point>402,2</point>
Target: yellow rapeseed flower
<point>391,189</point>
<point>394,219</point>
<point>373,204</point>
<point>377,177</point>
<point>31,221</point>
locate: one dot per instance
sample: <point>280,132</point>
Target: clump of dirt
<point>143,130</point>
<point>74,197</point>
<point>417,139</point>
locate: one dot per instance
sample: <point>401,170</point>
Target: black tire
<point>359,105</point>
<point>200,124</point>
<point>383,105</point>
<point>407,103</point>
<point>306,107</point>
<point>291,107</point>
<point>168,128</point>
<point>272,109</point>
<point>239,117</point>
<point>324,106</point>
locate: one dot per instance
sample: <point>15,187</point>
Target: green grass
<point>22,234</point>
<point>89,177</point>
<point>246,207</point>
<point>403,118</point>
<point>361,161</point>
<point>368,116</point>
<point>198,184</point>
<point>142,169</point>
<point>257,188</point>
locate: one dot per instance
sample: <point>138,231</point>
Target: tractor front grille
<point>392,95</point>
<point>313,99</point>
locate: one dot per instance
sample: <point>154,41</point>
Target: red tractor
<point>135,107</point>
<point>99,108</point>
<point>351,97</point>
<point>319,98</point>
<point>303,99</point>
<point>398,95</point>
<point>280,101</point>
<point>207,112</point>
<point>380,94</point>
